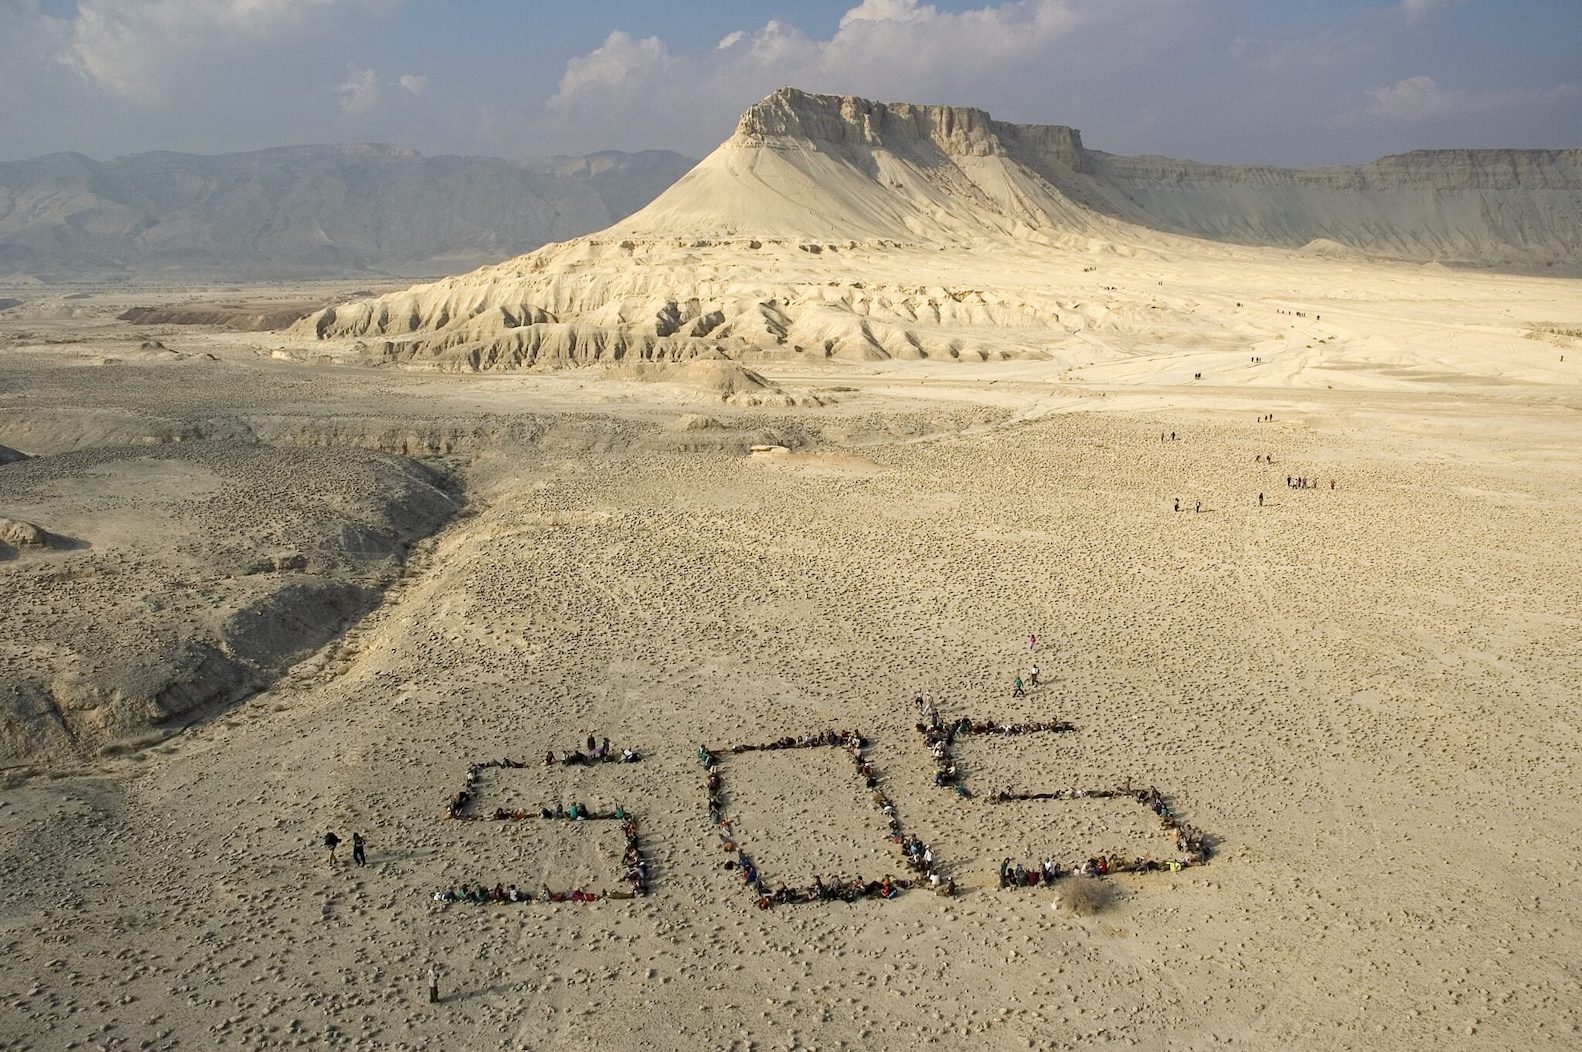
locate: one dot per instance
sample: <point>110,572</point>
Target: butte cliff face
<point>1492,207</point>
<point>827,166</point>
<point>839,227</point>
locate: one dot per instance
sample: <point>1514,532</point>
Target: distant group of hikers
<point>1293,481</point>
<point>1302,482</point>
<point>359,847</point>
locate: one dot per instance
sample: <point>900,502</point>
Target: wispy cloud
<point>1417,11</point>
<point>1421,98</point>
<point>128,47</point>
<point>887,48</point>
<point>359,92</point>
<point>1196,78</point>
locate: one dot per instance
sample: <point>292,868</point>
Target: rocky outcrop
<point>21,534</point>
<point>242,317</point>
<point>197,573</point>
<point>957,131</point>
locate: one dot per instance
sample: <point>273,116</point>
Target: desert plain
<point>295,584</point>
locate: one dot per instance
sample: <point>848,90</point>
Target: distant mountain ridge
<point>798,165</point>
<point>304,211</point>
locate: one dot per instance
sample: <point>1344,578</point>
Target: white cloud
<point>359,92</point>
<point>888,11</point>
<point>1192,78</point>
<point>129,47</point>
<point>621,60</point>
<point>883,48</point>
<point>1421,98</point>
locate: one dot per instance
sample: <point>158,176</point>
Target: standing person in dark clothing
<point>358,850</point>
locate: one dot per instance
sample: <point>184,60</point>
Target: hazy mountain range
<point>302,211</point>
<point>866,170</point>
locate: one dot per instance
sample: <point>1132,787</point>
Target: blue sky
<point>1281,82</point>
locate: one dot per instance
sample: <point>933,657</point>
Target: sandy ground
<point>1365,695</point>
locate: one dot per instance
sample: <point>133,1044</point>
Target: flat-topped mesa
<point>770,242</point>
<point>846,120</point>
<point>826,167</point>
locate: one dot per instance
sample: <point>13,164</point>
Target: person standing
<point>1032,676</point>
<point>331,841</point>
<point>433,985</point>
<point>1178,504</point>
<point>359,850</point>
<point>1260,500</point>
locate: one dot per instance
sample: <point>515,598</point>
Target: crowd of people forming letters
<point>460,805</point>
<point>939,738</point>
<point>634,865</point>
<point>918,857</point>
<point>1192,846</point>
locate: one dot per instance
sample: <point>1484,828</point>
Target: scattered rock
<point>21,534</point>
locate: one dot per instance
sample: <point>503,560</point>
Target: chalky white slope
<point>838,228</point>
